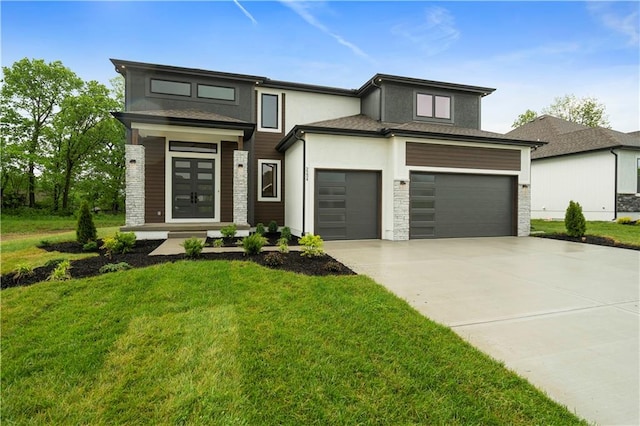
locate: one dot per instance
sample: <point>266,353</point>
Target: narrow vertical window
<point>269,111</point>
<point>269,180</point>
<point>638,187</point>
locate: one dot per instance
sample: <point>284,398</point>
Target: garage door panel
<point>347,205</point>
<point>464,205</point>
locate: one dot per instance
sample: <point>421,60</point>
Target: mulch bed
<point>139,258</point>
<point>590,239</point>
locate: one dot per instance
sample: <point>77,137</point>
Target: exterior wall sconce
<point>240,165</point>
<point>402,182</point>
<point>132,161</point>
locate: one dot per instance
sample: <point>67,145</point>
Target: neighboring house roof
<point>186,117</point>
<point>362,125</point>
<point>566,138</point>
<point>635,134</point>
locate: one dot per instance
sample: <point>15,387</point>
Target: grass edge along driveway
<point>234,343</point>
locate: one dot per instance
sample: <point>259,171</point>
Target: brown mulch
<point>139,258</point>
<point>590,239</point>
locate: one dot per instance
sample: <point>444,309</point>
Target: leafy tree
<point>587,111</point>
<point>31,92</point>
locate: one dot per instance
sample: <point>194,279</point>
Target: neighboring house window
<point>638,187</point>
<point>269,180</point>
<point>167,87</point>
<point>433,106</point>
<point>216,92</point>
<point>269,112</point>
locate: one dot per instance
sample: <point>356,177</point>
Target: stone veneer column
<point>400,210</point>
<point>524,210</point>
<point>240,186</point>
<point>134,201</point>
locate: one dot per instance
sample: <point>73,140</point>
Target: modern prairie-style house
<point>597,167</point>
<point>398,158</point>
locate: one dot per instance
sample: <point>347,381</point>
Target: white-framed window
<point>269,180</point>
<point>433,106</point>
<point>270,112</point>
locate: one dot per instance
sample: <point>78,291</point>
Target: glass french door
<point>193,186</point>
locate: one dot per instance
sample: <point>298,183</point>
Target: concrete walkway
<point>563,315</point>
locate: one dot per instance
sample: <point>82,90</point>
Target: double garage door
<point>348,205</point>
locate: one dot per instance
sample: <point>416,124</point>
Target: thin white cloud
<point>436,33</point>
<point>246,12</point>
<point>624,22</point>
<point>301,8</point>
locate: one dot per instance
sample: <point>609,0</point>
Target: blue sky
<point>531,52</point>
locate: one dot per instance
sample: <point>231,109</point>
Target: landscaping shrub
<point>61,272</point>
<point>86,229</point>
<point>285,232</point>
<point>120,243</point>
<point>333,266</point>
<point>311,245</point>
<point>114,267</point>
<point>90,246</point>
<point>273,227</point>
<point>626,220</point>
<point>229,231</point>
<point>53,262</point>
<point>283,245</point>
<point>44,244</point>
<point>574,220</point>
<point>23,271</point>
<point>273,259</point>
<point>219,242</point>
<point>193,247</point>
<point>253,243</point>
<point>260,229</point>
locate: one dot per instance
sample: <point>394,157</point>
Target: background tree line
<point>59,142</point>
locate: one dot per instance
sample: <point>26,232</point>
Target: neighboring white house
<point>596,167</point>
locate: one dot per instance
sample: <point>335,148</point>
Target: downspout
<point>304,178</point>
<point>373,83</point>
<point>615,187</point>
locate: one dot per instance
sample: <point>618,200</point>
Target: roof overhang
<point>132,120</point>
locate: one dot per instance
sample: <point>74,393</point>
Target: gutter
<point>615,186</point>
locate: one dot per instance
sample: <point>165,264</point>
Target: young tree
<point>524,118</point>
<point>574,220</point>
<point>587,111</point>
<point>31,90</point>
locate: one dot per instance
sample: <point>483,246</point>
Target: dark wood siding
<point>466,157</point>
<point>226,181</point>
<point>154,179</point>
<point>264,148</point>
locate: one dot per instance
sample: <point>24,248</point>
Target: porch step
<point>187,234</point>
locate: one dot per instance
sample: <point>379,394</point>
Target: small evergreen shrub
<point>86,229</point>
<point>229,231</point>
<point>574,220</point>
<point>311,245</point>
<point>333,267</point>
<point>273,227</point>
<point>61,272</point>
<point>626,220</point>
<point>114,267</point>
<point>260,229</point>
<point>193,247</point>
<point>283,245</point>
<point>119,243</point>
<point>253,243</point>
<point>90,246</point>
<point>273,259</point>
<point>285,232</point>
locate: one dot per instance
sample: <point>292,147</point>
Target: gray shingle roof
<point>566,138</point>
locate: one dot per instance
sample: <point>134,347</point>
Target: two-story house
<point>397,158</point>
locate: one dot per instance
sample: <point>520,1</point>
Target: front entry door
<point>193,188</point>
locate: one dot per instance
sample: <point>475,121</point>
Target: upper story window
<point>269,112</point>
<point>433,106</point>
<point>216,92</point>
<point>167,87</point>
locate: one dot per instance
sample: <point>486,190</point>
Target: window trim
<point>278,181</point>
<point>278,128</point>
<point>638,176</point>
<point>433,116</point>
<point>151,80</point>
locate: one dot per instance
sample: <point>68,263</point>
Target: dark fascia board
<point>380,78</point>
<point>122,65</point>
<point>127,118</point>
<point>589,151</point>
<point>278,84</point>
<point>297,133</point>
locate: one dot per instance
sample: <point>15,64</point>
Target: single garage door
<point>452,205</point>
<point>347,205</point>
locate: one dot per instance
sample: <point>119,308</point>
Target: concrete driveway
<point>563,315</point>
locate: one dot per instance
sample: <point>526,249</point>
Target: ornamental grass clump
<point>574,220</point>
<point>253,243</point>
<point>193,247</point>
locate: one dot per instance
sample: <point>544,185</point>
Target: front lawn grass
<point>627,234</point>
<point>215,342</point>
<point>22,225</point>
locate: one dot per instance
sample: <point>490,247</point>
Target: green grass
<point>214,342</point>
<point>13,226</point>
<point>628,234</point>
